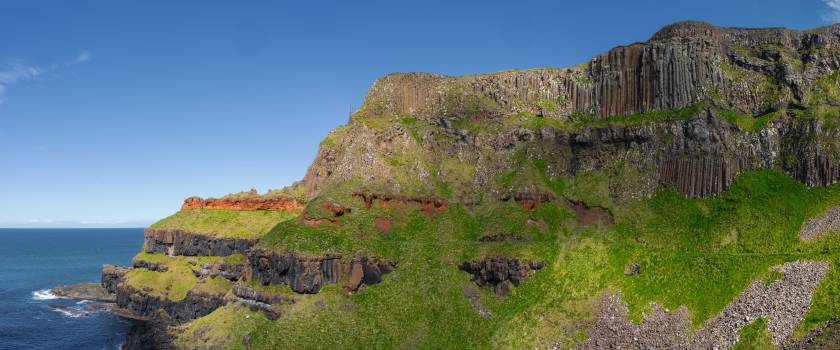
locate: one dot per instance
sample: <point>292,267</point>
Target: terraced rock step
<point>307,274</point>
<point>257,300</point>
<point>139,302</point>
<point>177,242</point>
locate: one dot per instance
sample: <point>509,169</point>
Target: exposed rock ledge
<point>177,242</point>
<point>307,274</point>
<point>290,204</point>
<point>257,300</point>
<point>84,291</point>
<point>784,303</point>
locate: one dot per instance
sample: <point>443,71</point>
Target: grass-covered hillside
<point>697,253</point>
<point>226,223</point>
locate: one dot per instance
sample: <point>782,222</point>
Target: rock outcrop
<point>529,200</point>
<point>84,291</point>
<point>177,242</point>
<point>112,276</point>
<point>139,302</point>
<point>499,272</point>
<point>289,204</point>
<point>307,274</point>
<point>226,270</point>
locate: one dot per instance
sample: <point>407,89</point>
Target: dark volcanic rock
<point>503,237</point>
<point>307,274</point>
<point>148,335</point>
<point>249,293</point>
<point>257,300</point>
<point>497,272</point>
<point>196,304</point>
<point>112,276</point>
<point>152,266</point>
<point>84,291</point>
<point>632,269</point>
<point>176,242</point>
<point>231,272</point>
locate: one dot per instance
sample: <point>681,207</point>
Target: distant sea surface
<point>34,260</point>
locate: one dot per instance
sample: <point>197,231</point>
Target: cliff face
<point>680,65</point>
<point>176,242</point>
<point>690,108</point>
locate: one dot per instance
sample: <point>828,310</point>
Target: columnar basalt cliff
<point>289,204</point>
<point>307,274</point>
<point>177,242</point>
<point>686,84</point>
<point>143,304</point>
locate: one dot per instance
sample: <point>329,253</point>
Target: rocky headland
<point>536,208</point>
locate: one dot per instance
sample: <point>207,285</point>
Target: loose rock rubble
<point>826,224</point>
<point>784,303</point>
<point>659,330</point>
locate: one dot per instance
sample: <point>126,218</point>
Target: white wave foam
<point>44,294</point>
<point>72,312</point>
<point>82,302</point>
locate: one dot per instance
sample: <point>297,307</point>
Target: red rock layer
<point>290,204</point>
<point>428,205</point>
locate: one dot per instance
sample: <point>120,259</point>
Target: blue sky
<point>113,112</point>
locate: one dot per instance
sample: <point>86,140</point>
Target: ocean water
<point>34,260</point>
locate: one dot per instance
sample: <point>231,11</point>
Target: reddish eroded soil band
<point>429,205</point>
<point>290,204</point>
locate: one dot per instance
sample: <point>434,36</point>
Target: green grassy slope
<point>249,224</point>
<point>698,253</point>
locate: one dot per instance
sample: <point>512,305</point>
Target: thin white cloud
<point>16,72</point>
<point>833,14</point>
<point>84,56</point>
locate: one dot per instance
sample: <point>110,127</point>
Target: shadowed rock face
<point>140,303</point>
<point>176,242</point>
<point>307,274</point>
<point>112,276</point>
